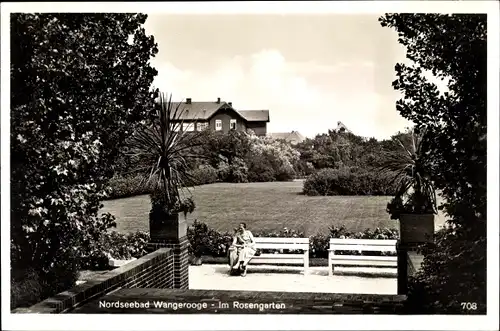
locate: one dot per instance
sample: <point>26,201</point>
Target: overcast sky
<point>310,71</point>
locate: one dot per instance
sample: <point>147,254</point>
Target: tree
<point>160,152</point>
<point>452,47</point>
<point>79,85</point>
<point>408,169</point>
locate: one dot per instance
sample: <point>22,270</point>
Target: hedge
<point>347,181</point>
<point>124,187</point>
<point>206,241</point>
<point>128,186</point>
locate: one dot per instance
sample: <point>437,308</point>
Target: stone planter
<point>416,228</point>
<point>164,227</point>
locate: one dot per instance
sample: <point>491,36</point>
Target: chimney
<point>230,104</point>
<point>188,101</point>
<point>218,100</point>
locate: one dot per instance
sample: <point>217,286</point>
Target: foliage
<point>25,289</point>
<point>127,186</point>
<point>87,78</point>
<point>408,169</point>
<point>270,160</point>
<point>453,48</point>
<point>204,174</point>
<point>318,246</point>
<point>206,241</point>
<point>181,204</point>
<point>426,297</point>
<point>338,149</point>
<point>159,150</point>
<point>112,244</point>
<point>283,233</point>
<point>234,172</point>
<point>347,181</point>
<point>226,147</point>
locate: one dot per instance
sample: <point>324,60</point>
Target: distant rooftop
<point>294,137</point>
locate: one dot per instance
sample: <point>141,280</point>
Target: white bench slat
<point>256,260</point>
<point>281,246</point>
<point>364,248</point>
<point>371,242</point>
<point>279,256</point>
<point>281,240</point>
<point>367,263</point>
<point>278,259</point>
<point>364,258</point>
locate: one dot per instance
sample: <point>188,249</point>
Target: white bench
<point>282,243</point>
<point>364,245</point>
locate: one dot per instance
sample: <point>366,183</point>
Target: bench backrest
<point>376,245</point>
<point>282,243</point>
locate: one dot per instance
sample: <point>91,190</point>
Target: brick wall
<point>155,270</point>
<point>180,262</point>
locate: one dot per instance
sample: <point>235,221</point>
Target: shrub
<point>114,245</point>
<point>30,286</point>
<point>26,289</point>
<point>270,160</point>
<point>443,259</point>
<point>126,246</point>
<point>347,181</point>
<point>205,174</point>
<point>198,236</point>
<point>206,241</point>
<point>318,246</point>
<point>236,172</point>
<point>127,186</point>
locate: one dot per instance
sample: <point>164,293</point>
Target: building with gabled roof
<point>220,116</point>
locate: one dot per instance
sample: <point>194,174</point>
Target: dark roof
<point>255,115</point>
<point>203,110</point>
<point>197,110</point>
<point>293,136</point>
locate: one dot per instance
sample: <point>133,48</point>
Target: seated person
<point>242,250</point>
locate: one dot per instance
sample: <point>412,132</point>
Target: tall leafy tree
<point>453,48</point>
<point>79,83</point>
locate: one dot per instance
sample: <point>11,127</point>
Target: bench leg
<point>330,264</point>
<point>306,262</point>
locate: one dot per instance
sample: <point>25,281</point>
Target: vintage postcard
<point>250,166</point>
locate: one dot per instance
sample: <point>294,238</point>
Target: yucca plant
<point>161,151</point>
<point>408,169</point>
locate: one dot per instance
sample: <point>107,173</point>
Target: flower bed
<point>209,242</point>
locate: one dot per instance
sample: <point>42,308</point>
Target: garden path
<point>291,279</point>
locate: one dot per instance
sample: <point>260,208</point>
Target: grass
<point>263,206</point>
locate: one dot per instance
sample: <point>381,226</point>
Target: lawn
<point>264,206</point>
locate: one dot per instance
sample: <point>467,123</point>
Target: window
<point>187,126</point>
<point>202,126</point>
<point>218,125</point>
<point>232,124</point>
<point>175,126</point>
